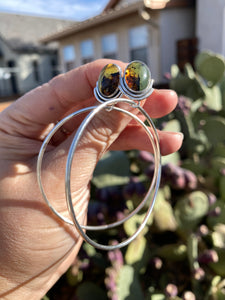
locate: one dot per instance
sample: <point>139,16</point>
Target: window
<point>36,70</point>
<point>138,43</point>
<point>54,67</point>
<point>87,51</point>
<point>109,46</point>
<point>12,76</point>
<point>69,57</point>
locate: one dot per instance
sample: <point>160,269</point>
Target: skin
<point>36,247</point>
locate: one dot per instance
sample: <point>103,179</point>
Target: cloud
<point>71,9</point>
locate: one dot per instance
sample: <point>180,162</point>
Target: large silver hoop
<point>156,178</point>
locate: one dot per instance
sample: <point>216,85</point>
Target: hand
<point>36,247</point>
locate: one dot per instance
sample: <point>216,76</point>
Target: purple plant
<point>171,290</point>
<point>184,105</point>
<point>116,259</point>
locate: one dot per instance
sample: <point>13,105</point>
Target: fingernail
<point>180,134</point>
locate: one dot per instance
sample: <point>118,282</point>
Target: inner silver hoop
<point>155,182</point>
<point>109,105</point>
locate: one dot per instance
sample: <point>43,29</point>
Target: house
<point>158,32</point>
<point>24,62</point>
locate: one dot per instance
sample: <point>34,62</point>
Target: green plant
<point>181,252</point>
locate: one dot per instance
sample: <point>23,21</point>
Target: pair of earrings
<point>136,85</point>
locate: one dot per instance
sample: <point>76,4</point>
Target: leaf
<point>190,209</point>
<point>214,129</point>
<point>219,150</point>
<point>214,220</point>
<point>173,158</point>
<point>189,71</point>
<point>158,297</point>
<point>131,225</point>
<point>163,214</point>
<point>213,98</point>
<point>218,267</point>
<point>218,163</point>
<point>218,236</point>
<point>220,295</point>
<point>137,253</point>
<point>128,285</point>
<point>179,82</point>
<point>113,169</point>
<point>89,249</point>
<point>222,187</point>
<point>196,167</point>
<point>174,70</point>
<point>196,89</point>
<point>192,251</point>
<point>222,88</point>
<point>173,252</point>
<point>172,125</point>
<point>210,66</point>
<point>89,290</point>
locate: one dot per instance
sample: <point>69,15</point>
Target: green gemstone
<point>137,76</point>
<point>108,81</point>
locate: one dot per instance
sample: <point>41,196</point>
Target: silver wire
<point>43,149</point>
<point>156,178</point>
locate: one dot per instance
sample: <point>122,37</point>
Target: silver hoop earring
<point>109,88</point>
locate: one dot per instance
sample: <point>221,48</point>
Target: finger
<point>135,137</point>
<point>161,103</point>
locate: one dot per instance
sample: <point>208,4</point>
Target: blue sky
<point>66,9</point>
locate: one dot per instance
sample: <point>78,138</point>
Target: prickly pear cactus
<point>190,210</point>
<point>180,255</point>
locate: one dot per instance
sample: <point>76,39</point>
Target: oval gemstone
<point>137,76</point>
<point>108,81</point>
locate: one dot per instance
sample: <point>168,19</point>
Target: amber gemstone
<point>137,76</point>
<point>108,81</point>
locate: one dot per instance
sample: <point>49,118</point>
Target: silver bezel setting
<point>102,98</point>
<point>136,95</point>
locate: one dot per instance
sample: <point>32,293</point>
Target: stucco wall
<point>211,25</point>
<point>26,78</point>
<point>175,24</point>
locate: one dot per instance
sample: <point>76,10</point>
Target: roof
<point>114,9</point>
<point>23,32</point>
<point>119,3</point>
<point>124,8</point>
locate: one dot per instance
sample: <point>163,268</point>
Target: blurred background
<point>181,252</point>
